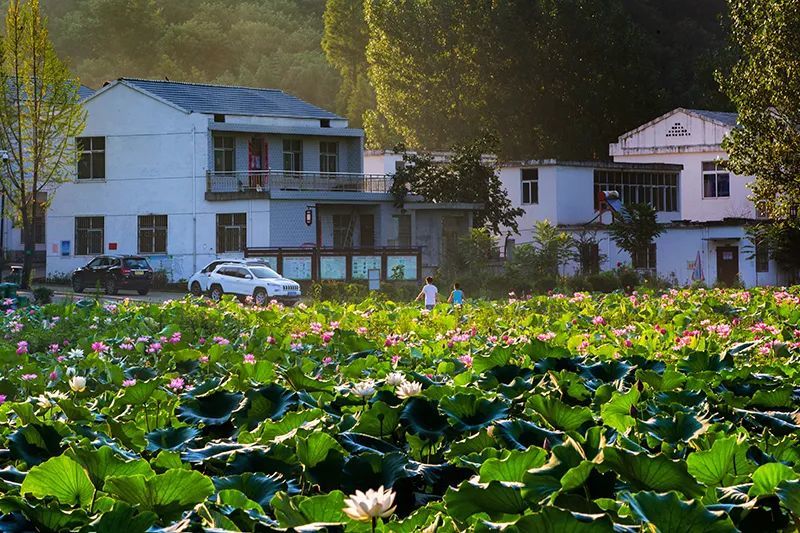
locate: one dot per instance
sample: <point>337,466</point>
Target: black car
<point>114,272</point>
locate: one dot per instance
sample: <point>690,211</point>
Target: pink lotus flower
<point>2,399</point>
<point>327,337</point>
<point>54,348</point>
<point>362,330</point>
<point>22,347</point>
<point>175,338</point>
<point>154,347</point>
<point>126,346</point>
<point>129,383</point>
<point>53,375</point>
<point>544,337</point>
<point>177,384</point>
<point>395,360</point>
<point>203,359</point>
<point>334,324</point>
<point>201,340</point>
<point>222,341</point>
<point>99,347</point>
<point>28,377</point>
<point>327,360</point>
<point>270,340</point>
<point>466,360</point>
<point>249,359</point>
<point>599,321</point>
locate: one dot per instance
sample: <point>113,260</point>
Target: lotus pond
<point>675,412</point>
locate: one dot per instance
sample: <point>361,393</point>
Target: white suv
<point>245,279</point>
<point>199,283</point>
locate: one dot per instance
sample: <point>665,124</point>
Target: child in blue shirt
<point>457,296</point>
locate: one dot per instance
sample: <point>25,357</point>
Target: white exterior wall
<point>155,164</point>
<point>700,141</point>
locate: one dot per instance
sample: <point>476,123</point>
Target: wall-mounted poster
<point>401,267</point>
<point>333,267</point>
<point>65,248</point>
<point>297,268</point>
<point>363,263</point>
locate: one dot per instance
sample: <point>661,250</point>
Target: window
<point>293,155</point>
<point>91,158</point>
<point>530,186</point>
<point>328,157</point>
<point>231,232</point>
<point>762,257</point>
<point>645,259</point>
<point>716,180</point>
<point>342,231</point>
<point>89,235</point>
<point>402,225</point>
<point>659,189</point>
<point>153,234</point>
<point>224,154</point>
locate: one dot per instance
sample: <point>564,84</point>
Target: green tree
<point>765,86</point>
<point>468,262</point>
<point>537,265</point>
<point>40,115</point>
<point>470,176</point>
<point>782,239</point>
<point>636,229</point>
<point>345,41</point>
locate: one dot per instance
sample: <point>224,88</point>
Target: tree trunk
<point>29,246</point>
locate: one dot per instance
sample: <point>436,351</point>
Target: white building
<point>185,173</point>
<point>672,163</point>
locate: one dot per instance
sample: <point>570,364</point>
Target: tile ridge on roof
<point>217,85</point>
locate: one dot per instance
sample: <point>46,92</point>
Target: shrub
<point>43,295</point>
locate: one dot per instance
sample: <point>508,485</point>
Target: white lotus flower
<point>75,353</point>
<point>364,388</point>
<point>408,389</point>
<point>77,383</point>
<point>43,401</point>
<point>395,378</point>
<point>372,504</point>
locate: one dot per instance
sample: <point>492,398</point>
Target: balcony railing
<point>257,181</point>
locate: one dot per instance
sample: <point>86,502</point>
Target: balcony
<point>264,183</point>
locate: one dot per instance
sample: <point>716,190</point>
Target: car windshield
<point>136,262</point>
<point>264,272</point>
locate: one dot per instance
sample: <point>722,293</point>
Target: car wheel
<point>143,292</point>
<point>216,293</point>
<point>111,286</point>
<point>260,297</point>
<point>77,286</point>
<point>195,289</point>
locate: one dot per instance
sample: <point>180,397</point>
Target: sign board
<point>112,246</point>
<point>374,276</point>
<point>401,267</point>
<point>333,267</point>
<point>65,248</point>
<point>363,263</point>
<point>297,268</point>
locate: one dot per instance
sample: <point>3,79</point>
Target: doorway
<point>728,265</point>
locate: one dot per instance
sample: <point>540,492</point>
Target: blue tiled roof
<point>729,119</point>
<point>230,100</point>
<point>85,92</point>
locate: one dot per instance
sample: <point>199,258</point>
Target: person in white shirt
<point>429,292</point>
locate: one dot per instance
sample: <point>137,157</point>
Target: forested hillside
<point>552,78</point>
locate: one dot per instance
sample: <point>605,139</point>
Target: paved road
<point>63,293</point>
